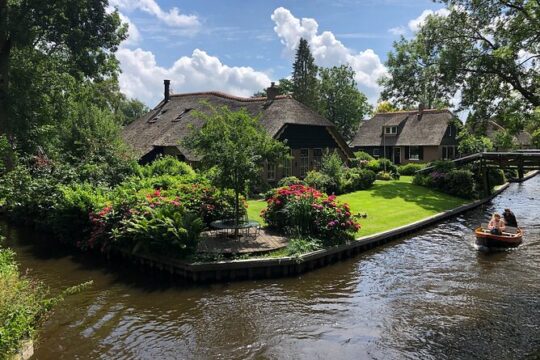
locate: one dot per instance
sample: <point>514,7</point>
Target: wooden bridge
<point>521,160</point>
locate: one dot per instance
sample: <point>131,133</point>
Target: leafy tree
<point>503,140</point>
<point>237,145</point>
<point>340,100</point>
<point>471,144</point>
<point>78,36</point>
<point>132,109</point>
<point>385,107</point>
<point>414,74</point>
<point>490,50</point>
<point>284,87</point>
<point>536,139</point>
<point>304,77</point>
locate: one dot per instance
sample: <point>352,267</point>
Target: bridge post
<point>520,168</point>
<point>485,178</point>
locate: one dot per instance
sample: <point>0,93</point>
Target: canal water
<point>428,296</point>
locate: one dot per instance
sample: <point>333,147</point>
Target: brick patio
<point>218,243</point>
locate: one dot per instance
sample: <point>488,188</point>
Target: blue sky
<point>240,46</point>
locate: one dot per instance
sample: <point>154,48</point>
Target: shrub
<point>384,165</point>
<point>442,166</point>
<point>410,169</point>
<point>322,182</point>
<point>290,180</point>
<point>166,165</point>
<point>304,211</point>
<point>362,155</point>
<point>460,183</point>
<point>384,175</point>
<point>355,179</point>
<point>332,165</point>
<point>302,245</point>
<point>496,177</point>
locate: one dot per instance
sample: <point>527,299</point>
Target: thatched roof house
<point>521,140</point>
<point>307,133</point>
<point>409,136</point>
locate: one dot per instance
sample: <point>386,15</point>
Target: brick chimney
<point>421,108</point>
<point>272,91</point>
<point>166,90</point>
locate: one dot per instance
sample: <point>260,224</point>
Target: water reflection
<point>429,296</point>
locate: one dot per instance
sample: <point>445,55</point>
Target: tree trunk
<point>5,51</point>
<point>236,212</point>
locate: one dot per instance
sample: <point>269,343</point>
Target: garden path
<point>221,244</point>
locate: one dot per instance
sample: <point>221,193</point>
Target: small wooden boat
<point>510,238</point>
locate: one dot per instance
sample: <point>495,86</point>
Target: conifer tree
<point>304,77</point>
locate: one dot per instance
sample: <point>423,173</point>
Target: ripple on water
<point>430,296</point>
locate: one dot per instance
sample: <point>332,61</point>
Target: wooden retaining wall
<point>291,266</point>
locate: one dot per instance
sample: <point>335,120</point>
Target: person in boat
<point>509,218</point>
<point>496,224</point>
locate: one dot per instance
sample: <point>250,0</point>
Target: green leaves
<point>340,101</point>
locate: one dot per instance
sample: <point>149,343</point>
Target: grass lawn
<point>389,204</point>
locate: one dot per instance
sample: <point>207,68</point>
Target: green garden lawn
<point>389,204</point>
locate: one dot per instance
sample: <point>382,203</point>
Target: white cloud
<point>134,36</point>
<point>398,30</point>
<point>173,17</point>
<point>142,77</point>
<point>328,51</point>
<point>416,24</point>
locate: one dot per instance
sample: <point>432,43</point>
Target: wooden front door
<point>397,155</point>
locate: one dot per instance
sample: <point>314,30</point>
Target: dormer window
<point>390,130</point>
<point>179,117</point>
<point>158,115</point>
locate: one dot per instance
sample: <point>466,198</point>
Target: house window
<point>390,130</point>
<point>450,131</point>
<point>376,152</point>
<point>271,171</point>
<point>317,158</point>
<point>448,152</point>
<point>287,168</point>
<point>414,153</point>
<point>304,162</point>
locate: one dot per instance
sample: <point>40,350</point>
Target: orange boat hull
<point>485,238</point>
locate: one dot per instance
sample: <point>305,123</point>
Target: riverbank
<point>231,270</point>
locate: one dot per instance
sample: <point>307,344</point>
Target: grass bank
<point>389,204</point>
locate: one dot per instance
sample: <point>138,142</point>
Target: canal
<point>431,296</point>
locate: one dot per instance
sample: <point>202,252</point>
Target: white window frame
<point>304,162</point>
<point>390,130</point>
<point>414,157</point>
<point>287,166</point>
<point>446,148</point>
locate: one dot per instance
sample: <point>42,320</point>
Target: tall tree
<point>415,76</point>
<point>385,107</point>
<point>304,77</point>
<point>237,145</point>
<point>340,100</point>
<point>80,35</point>
<point>491,50</point>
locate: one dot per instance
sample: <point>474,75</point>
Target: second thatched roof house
<point>409,136</point>
<point>307,133</point>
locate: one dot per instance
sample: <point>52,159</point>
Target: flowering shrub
<point>304,211</point>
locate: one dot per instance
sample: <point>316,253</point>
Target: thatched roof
<point>522,138</point>
<point>164,127</point>
<point>425,130</point>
